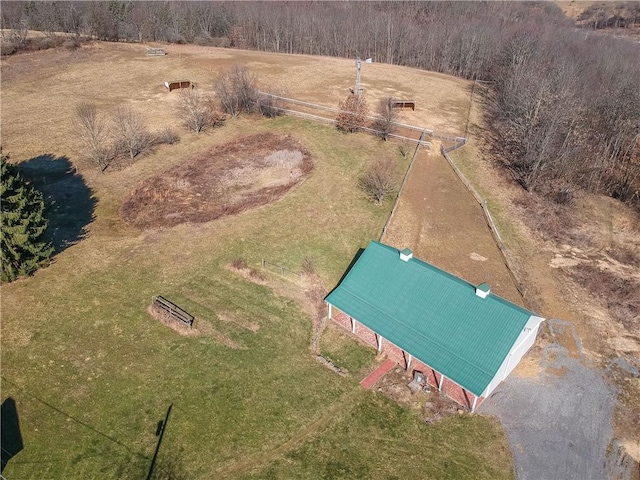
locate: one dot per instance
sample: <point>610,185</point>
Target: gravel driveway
<point>559,423</point>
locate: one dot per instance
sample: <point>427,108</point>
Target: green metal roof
<point>431,314</point>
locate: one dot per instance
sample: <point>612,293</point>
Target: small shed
<point>403,104</point>
<point>177,84</point>
<point>462,337</point>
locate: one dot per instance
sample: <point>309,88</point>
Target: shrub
<point>222,42</point>
<point>72,43</point>
<point>168,136</point>
<point>130,131</point>
<point>405,148</point>
<point>204,40</point>
<point>270,106</point>
<point>353,114</point>
<point>308,266</point>
<point>237,91</point>
<point>380,179</point>
<point>92,131</point>
<point>239,263</point>
<point>198,111</point>
<point>386,116</point>
<point>8,47</point>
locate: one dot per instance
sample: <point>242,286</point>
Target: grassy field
<point>92,372</point>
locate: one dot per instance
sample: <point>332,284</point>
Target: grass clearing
<point>501,218</point>
<point>344,351</point>
<point>376,438</point>
<point>92,372</point>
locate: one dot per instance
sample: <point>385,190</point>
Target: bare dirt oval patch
<point>227,179</point>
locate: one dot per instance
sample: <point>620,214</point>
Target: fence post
<point>263,263</point>
<point>418,145</point>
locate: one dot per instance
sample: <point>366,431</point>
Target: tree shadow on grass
<point>11,436</point>
<point>69,202</point>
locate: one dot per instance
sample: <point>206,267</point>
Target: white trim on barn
<point>520,347</point>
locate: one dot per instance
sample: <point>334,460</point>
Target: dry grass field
<point>123,74</point>
<point>92,372</point>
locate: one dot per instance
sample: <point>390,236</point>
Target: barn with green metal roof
<point>462,337</point>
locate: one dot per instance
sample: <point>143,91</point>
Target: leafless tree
<point>386,115</point>
<point>93,134</point>
<point>380,179</point>
<point>197,110</point>
<point>404,148</point>
<point>237,91</point>
<point>353,114</point>
<point>130,132</point>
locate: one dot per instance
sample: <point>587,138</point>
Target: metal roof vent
<point>483,290</point>
<point>406,255</point>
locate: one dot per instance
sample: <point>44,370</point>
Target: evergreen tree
<point>22,247</point>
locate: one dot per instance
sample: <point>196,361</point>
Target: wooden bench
<point>404,104</point>
<point>175,85</point>
<point>173,310</point>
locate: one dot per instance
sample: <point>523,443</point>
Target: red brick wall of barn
<point>341,319</point>
<point>455,392</point>
<point>433,377</point>
<point>395,353</point>
<point>365,333</point>
<point>362,332</point>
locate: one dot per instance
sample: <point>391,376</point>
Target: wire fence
<point>404,180</point>
<point>488,218</point>
<point>327,114</point>
<point>280,269</point>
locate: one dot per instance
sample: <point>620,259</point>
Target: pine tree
<point>22,247</point>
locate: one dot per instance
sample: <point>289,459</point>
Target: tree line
<point>563,106</point>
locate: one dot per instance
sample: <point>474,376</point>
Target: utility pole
<point>159,433</point>
<point>357,91</point>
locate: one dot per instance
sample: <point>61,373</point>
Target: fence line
<point>311,116</point>
<point>335,111</point>
<point>488,218</point>
<point>404,180</point>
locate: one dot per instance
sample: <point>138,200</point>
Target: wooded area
<point>564,105</point>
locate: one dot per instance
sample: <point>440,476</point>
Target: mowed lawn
<point>92,373</point>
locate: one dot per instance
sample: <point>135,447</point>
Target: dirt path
<point>442,223</point>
